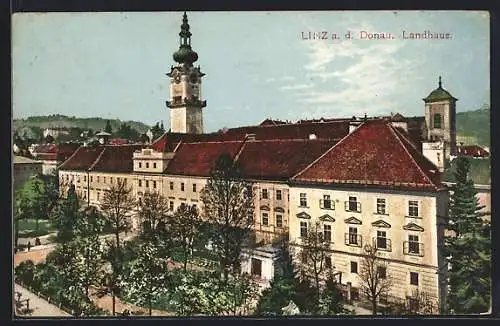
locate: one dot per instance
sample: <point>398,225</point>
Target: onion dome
<point>439,94</point>
<point>185,54</point>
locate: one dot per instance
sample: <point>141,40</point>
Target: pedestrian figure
<point>29,245</point>
<point>37,242</point>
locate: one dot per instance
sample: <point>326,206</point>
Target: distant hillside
<point>480,171</point>
<point>474,126</point>
<point>62,121</point>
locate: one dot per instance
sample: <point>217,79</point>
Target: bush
<point>25,272</point>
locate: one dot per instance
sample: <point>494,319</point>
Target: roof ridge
<point>329,150</point>
<point>97,159</point>
<point>406,138</point>
<point>411,156</point>
<point>240,150</point>
<point>178,145</point>
<point>70,157</point>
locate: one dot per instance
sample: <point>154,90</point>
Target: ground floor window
<point>256,267</point>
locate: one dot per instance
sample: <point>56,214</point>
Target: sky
<point>258,64</point>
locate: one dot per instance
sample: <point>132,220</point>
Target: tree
<point>313,256</point>
<point>375,281</point>
<point>282,289</point>
<point>468,248</point>
<point>147,277</point>
<point>184,228</point>
<point>157,131</point>
<point>330,302</point>
<point>228,203</point>
<point>66,216</point>
<point>21,211</point>
<point>153,211</point>
<point>108,128</point>
<point>118,206</point>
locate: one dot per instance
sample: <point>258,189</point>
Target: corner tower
<point>185,104</point>
<point>440,118</point>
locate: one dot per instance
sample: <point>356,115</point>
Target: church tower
<point>440,118</point>
<point>185,102</point>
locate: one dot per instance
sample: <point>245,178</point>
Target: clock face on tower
<point>177,78</point>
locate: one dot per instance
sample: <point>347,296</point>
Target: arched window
<point>437,121</point>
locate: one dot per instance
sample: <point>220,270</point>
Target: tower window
<point>147,165</point>
<point>437,121</point>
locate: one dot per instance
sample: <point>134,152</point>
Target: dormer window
<point>154,165</point>
<point>140,165</point>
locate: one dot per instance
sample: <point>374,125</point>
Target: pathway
<point>39,306</point>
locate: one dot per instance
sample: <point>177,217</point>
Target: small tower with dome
<point>440,118</point>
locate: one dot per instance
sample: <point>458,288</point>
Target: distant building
<point>55,132</point>
<point>474,151</point>
<point>51,155</point>
<point>25,168</point>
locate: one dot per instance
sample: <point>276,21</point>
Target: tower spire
<point>440,82</point>
<point>185,54</point>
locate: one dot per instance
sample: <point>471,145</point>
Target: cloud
<point>279,79</point>
<point>354,76</point>
<point>296,86</point>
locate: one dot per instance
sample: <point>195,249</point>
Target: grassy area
<point>27,228</point>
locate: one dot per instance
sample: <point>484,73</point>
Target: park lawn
<point>27,228</point>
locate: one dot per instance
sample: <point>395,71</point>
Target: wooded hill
<point>62,121</point>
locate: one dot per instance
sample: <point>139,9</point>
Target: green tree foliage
<point>184,229</point>
<point>282,289</point>
<point>108,127</point>
<point>468,248</point>
<point>66,216</point>
<point>117,206</point>
<point>157,130</point>
<point>22,210</point>
<point>147,277</point>
<point>228,203</point>
<point>127,132</point>
<point>331,300</point>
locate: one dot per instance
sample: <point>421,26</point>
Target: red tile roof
<point>472,150</point>
<point>198,159</point>
<point>279,159</point>
<point>116,158</point>
<point>82,158</point>
<point>375,154</point>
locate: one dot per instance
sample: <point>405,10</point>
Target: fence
<point>47,298</point>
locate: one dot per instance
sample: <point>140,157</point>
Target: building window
<point>381,240</point>
<point>140,165</point>
<point>328,262</point>
<point>194,187</point>
<point>154,165</point>
<point>171,185</point>
<point>147,165</point>
<point>303,199</point>
<point>413,208</point>
<point>147,183</point>
<point>353,236</point>
<point>111,180</point>
<point>278,195</point>
<point>104,179</point>
<point>354,267</point>
<point>265,219</point>
<point>154,184</point>
<point>381,206</point>
<point>264,194</point>
<point>171,205</point>
<point>413,278</point>
<point>182,186</point>
<point>124,181</point>
<point>140,201</point>
<point>353,205</point>
<point>303,229</point>
<point>98,179</point>
<point>279,220</point>
<point>84,178</point>
<point>98,195</point>
<point>437,121</point>
<point>91,179</point>
<point>382,272</point>
<point>326,203</point>
<point>413,245</point>
<point>140,183</point>
<point>327,232</point>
